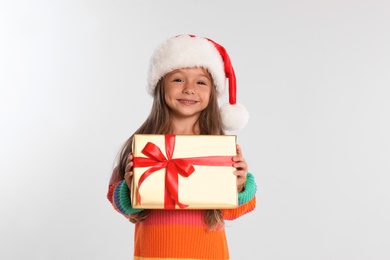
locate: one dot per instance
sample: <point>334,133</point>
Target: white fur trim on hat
<point>185,51</point>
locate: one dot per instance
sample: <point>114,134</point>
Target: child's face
<point>187,91</point>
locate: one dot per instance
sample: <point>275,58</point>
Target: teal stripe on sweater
<point>124,200</point>
<point>249,191</point>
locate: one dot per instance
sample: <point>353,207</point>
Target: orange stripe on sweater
<point>231,214</point>
<point>179,241</point>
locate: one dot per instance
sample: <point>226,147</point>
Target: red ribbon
<point>174,166</point>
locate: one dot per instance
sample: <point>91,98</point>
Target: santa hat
<point>186,51</point>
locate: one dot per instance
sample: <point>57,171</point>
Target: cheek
<point>171,90</point>
<point>166,97</point>
<point>206,100</point>
<point>170,96</point>
<point>206,95</point>
<point>167,93</point>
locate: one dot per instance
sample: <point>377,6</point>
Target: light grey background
<point>314,76</point>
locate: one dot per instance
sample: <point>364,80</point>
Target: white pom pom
<point>234,117</point>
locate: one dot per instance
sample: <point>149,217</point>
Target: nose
<point>189,89</point>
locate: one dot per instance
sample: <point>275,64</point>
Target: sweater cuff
<point>122,200</point>
<point>249,190</point>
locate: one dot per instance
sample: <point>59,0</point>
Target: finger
<point>241,165</point>
<point>129,158</point>
<point>240,172</point>
<point>128,177</point>
<point>238,150</point>
<point>238,157</point>
<point>238,164</point>
<point>129,166</point>
<point>241,176</point>
<point>129,162</point>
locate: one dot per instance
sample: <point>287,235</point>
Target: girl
<point>187,74</point>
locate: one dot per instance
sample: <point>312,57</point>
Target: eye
<point>201,83</point>
<point>177,80</point>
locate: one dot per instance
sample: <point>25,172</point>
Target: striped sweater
<point>179,234</point>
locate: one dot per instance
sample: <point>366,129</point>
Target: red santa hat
<point>186,51</point>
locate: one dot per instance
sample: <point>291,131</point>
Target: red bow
<point>174,166</point>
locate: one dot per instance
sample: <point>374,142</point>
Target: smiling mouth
<point>187,102</point>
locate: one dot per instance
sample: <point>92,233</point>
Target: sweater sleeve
<point>246,200</point>
<point>119,196</point>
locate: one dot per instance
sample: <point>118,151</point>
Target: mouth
<point>187,101</point>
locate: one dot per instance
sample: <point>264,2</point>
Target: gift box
<point>184,172</point>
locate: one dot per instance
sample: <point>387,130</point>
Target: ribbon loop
<point>153,151</point>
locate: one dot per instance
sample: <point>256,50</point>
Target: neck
<point>185,127</point>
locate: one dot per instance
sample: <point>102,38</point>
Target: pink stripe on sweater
<point>175,217</point>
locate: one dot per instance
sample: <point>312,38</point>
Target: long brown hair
<point>158,122</point>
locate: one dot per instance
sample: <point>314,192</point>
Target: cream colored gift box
<point>184,171</point>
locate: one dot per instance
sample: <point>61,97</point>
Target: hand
<point>129,170</point>
<point>241,169</point>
